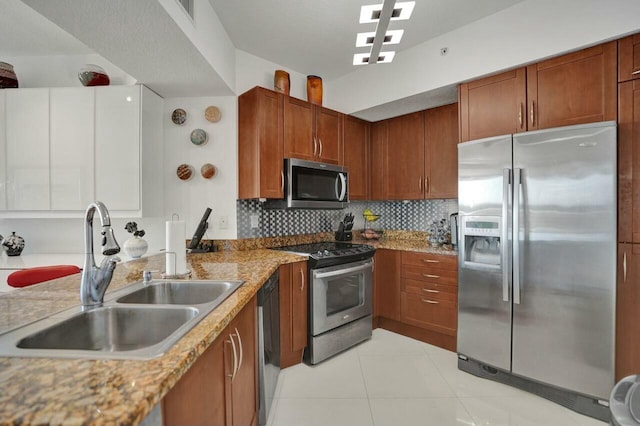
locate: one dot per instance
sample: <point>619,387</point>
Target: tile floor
<point>395,380</point>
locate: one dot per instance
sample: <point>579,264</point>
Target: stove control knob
<point>319,253</point>
<point>326,253</point>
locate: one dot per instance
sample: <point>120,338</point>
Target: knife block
<point>344,235</point>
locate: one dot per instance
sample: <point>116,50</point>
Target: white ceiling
<point>307,36</point>
<point>318,37</point>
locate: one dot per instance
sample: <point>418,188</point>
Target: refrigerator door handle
<point>504,245</point>
<point>516,234</point>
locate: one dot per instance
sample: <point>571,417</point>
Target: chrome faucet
<point>95,280</point>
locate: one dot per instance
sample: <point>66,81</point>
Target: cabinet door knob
<point>235,358</point>
<point>301,280</point>
<point>520,116</point>
<point>636,72</point>
<point>428,290</point>
<point>281,181</point>
<point>431,276</point>
<point>532,112</point>
<point>624,267</point>
<point>426,184</point>
<point>433,302</point>
<point>321,146</point>
<point>240,345</point>
<point>315,146</point>
<point>420,184</point>
<point>430,261</point>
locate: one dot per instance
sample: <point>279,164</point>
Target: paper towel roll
<point>176,243</point>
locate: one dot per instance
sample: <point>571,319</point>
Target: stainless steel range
<point>340,296</point>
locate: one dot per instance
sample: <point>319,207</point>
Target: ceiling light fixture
<point>372,13</point>
<point>390,37</point>
<point>365,58</point>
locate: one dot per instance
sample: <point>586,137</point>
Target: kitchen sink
<point>179,293</point>
<point>141,321</point>
<point>111,329</point>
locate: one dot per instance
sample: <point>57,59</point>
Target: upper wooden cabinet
<point>629,58</point>
<point>493,106</point>
<point>571,89</point>
<point>629,162</point>
<point>441,152</point>
<point>356,156</point>
<point>260,144</point>
<point>312,132</point>
<point>415,156</point>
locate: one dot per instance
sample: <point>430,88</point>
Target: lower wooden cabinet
<point>386,284</point>
<point>627,302</point>
<point>293,313</point>
<point>220,388</point>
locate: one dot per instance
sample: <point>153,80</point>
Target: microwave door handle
<point>346,271</point>
<point>341,186</point>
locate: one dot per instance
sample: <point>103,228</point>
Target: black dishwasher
<point>268,345</point>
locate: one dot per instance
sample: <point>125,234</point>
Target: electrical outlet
<point>224,222</point>
<point>254,221</point>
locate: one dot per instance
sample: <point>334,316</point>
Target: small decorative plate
<point>199,137</point>
<point>212,114</point>
<point>208,170</point>
<point>179,116</point>
<point>184,171</point>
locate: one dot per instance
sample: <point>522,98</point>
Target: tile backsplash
<point>397,215</point>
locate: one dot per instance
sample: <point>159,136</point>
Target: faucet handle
<point>146,275</point>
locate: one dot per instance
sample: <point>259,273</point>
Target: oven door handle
<point>338,272</point>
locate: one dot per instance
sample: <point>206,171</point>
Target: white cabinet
<point>71,136</point>
<point>3,153</point>
<point>27,116</point>
<point>66,147</point>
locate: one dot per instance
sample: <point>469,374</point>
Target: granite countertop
<point>75,392</point>
<point>406,241</point>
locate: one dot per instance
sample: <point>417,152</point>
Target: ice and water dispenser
<point>480,242</point>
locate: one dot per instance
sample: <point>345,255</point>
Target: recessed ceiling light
<point>401,10</point>
<point>363,58</point>
<point>390,37</point>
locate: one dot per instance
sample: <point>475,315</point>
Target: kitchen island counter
<point>78,391</point>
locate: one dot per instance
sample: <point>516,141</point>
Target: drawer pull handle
<point>635,72</point>
<point>430,261</point>
<point>431,276</point>
<point>433,302</point>
<point>428,290</point>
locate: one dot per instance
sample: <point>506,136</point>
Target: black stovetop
<point>331,253</point>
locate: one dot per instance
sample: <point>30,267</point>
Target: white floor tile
<point>408,376</point>
<point>385,342</point>
<point>419,412</point>
<point>272,412</point>
<point>337,377</point>
<point>518,411</point>
<point>323,412</point>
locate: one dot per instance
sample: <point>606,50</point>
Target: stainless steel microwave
<point>312,185</point>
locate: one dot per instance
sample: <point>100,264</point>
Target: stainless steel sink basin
<point>177,293</point>
<point>141,321</point>
<point>111,329</point>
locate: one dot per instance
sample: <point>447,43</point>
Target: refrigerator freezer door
<point>484,307</point>
<point>563,327</point>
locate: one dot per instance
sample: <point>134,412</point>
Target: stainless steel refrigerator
<point>537,262</point>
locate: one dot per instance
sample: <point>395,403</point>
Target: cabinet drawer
<point>432,291</point>
<point>434,260</point>
<point>438,315</point>
<point>434,275</point>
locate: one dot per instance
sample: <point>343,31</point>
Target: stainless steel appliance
<point>537,269</point>
<point>312,185</point>
<point>268,345</point>
<point>340,296</point>
<point>625,402</point>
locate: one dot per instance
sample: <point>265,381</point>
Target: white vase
<point>135,247</point>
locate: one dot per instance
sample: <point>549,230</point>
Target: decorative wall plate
<point>199,137</point>
<point>208,170</point>
<point>179,116</point>
<point>184,171</point>
<point>212,114</point>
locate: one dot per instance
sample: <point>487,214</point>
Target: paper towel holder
<point>176,276</point>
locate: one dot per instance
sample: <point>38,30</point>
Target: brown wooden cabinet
<point>627,302</point>
<point>629,162</point>
<point>386,284</point>
<point>260,144</point>
<point>629,58</point>
<point>441,152</point>
<point>293,313</point>
<point>312,132</point>
<point>220,388</point>
<point>573,89</point>
<point>570,89</point>
<point>493,105</point>
<point>415,156</point>
<point>357,156</point>
<point>429,292</point>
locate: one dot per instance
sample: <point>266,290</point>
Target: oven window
<point>344,293</point>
